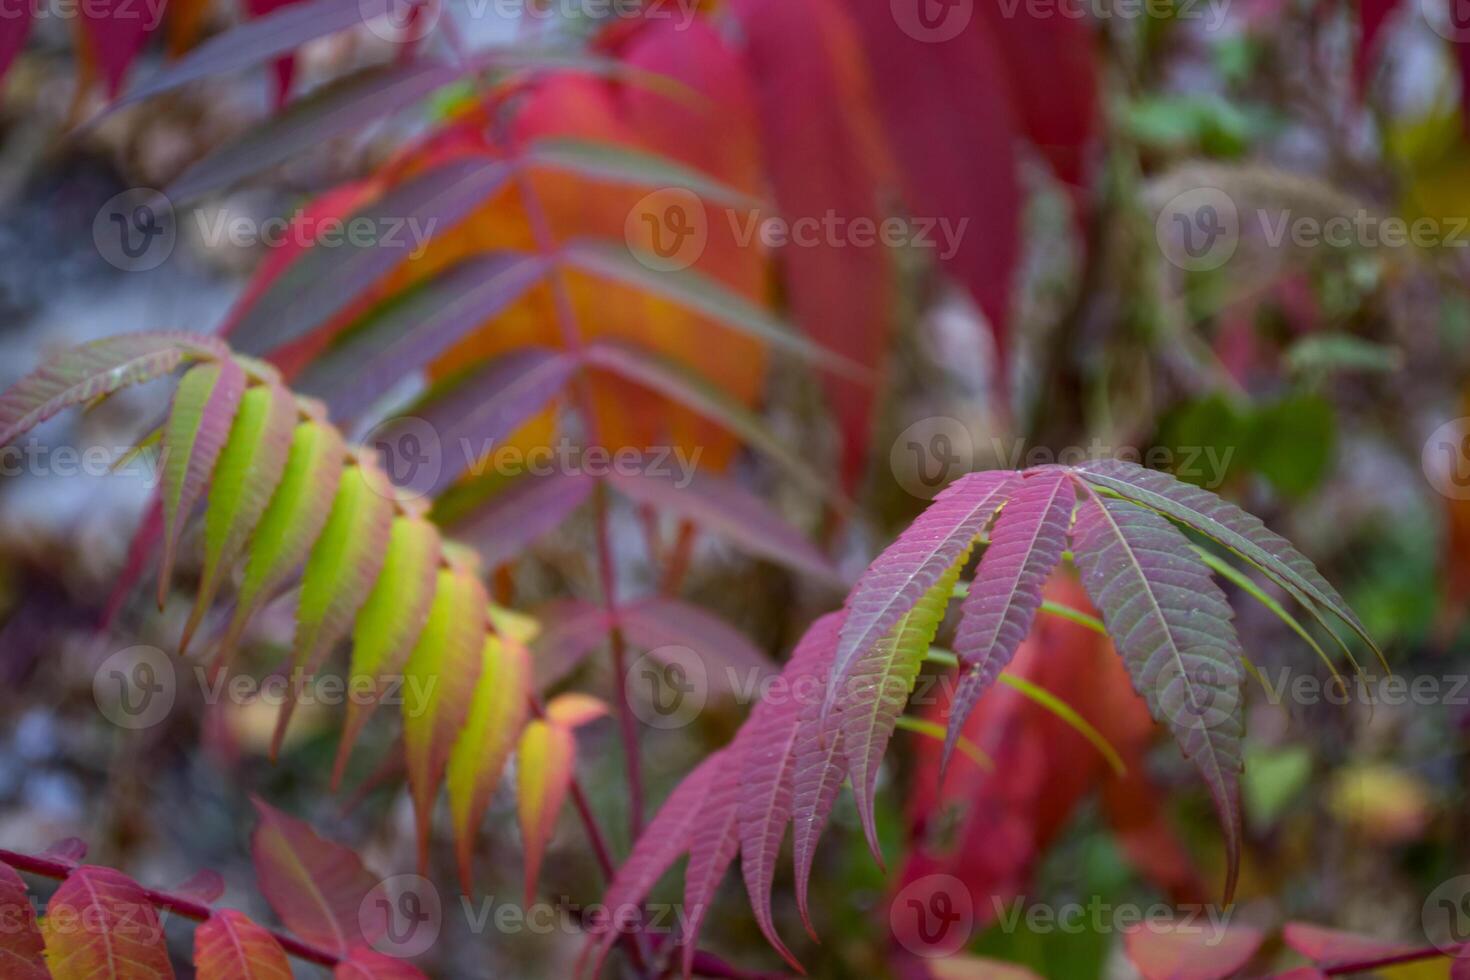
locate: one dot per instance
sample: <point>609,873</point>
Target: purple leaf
<point>677,382</point>
<point>332,110</point>
<point>502,526</point>
<point>907,569</point>
<point>405,333</point>
<point>1226,523</point>
<point>721,505</point>
<point>1025,545</point>
<point>283,30</point>
<point>95,369</point>
<point>324,281</point>
<point>571,629</point>
<point>1171,623</point>
<point>653,623</point>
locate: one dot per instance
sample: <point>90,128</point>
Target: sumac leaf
<point>99,925</point>
<point>544,761</point>
<point>21,946</point>
<point>230,947</point>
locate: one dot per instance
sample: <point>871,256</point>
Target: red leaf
<point>657,622</point>
<point>21,945</point>
<point>205,887</point>
<point>315,886</point>
<point>1052,64</point>
<point>99,925</point>
<point>949,90</point>
<point>822,156</point>
<point>72,850</point>
<point>231,947</point>
<point>1372,17</point>
<point>15,24</point>
<point>114,32</point>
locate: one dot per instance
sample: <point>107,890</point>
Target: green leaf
<point>389,623</point>
<point>440,681</point>
<point>875,688</point>
<point>339,574</point>
<point>245,477</point>
<point>297,512</point>
<point>198,424</point>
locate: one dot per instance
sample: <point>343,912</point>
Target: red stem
<point>187,907</point>
<point>566,316</point>
<point>1393,959</point>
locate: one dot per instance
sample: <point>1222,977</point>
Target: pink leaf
<point>204,887</point>
<point>769,776</point>
<point>367,964</point>
<point>315,886</point>
<point>819,767</point>
<point>325,281</point>
<point>907,569</point>
<point>1164,950</point>
<point>665,838</point>
<point>713,844</point>
<point>115,31</point>
<point>1329,947</point>
<point>1025,545</point>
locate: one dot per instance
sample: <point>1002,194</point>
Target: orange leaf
<point>543,774</point>
<point>101,926</point>
<point>231,947</point>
